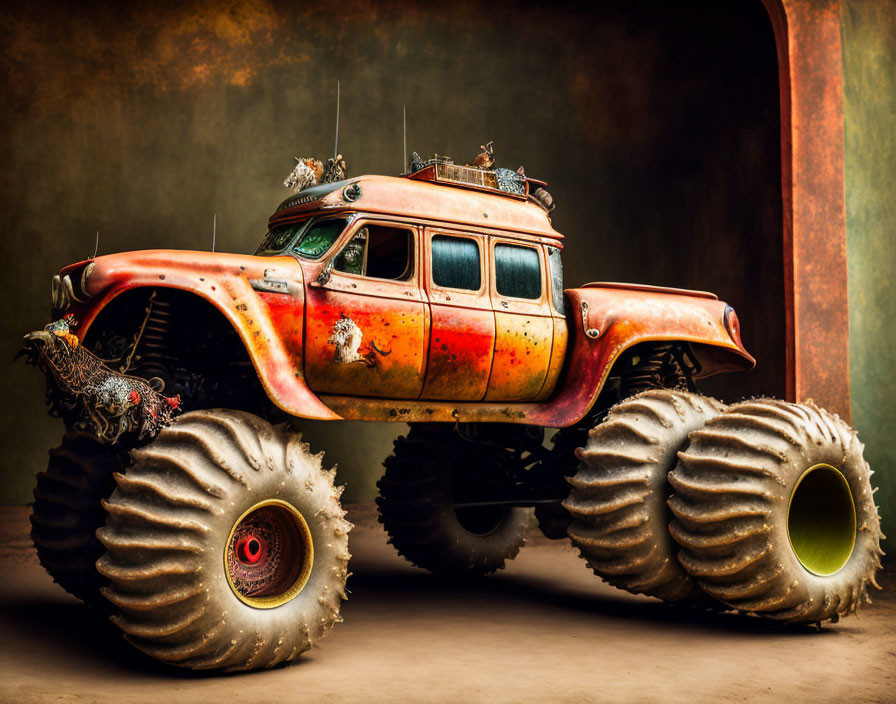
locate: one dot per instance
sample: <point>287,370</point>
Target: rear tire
<point>67,511</point>
<point>774,512</point>
<point>618,498</point>
<point>227,547</point>
<point>416,506</point>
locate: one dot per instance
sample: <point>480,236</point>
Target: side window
<point>456,263</point>
<point>517,271</point>
<point>556,268</point>
<point>380,252</point>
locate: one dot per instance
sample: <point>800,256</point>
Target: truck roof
<point>401,196</point>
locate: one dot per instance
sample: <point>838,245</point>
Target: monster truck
<point>215,539</point>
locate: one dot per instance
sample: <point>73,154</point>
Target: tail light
<point>732,325</point>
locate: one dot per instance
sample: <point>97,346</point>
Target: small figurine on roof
<point>486,158</point>
<point>308,172</point>
<point>311,172</point>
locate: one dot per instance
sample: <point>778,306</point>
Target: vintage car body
<point>330,344</point>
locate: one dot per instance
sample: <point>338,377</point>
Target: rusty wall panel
<point>807,34</point>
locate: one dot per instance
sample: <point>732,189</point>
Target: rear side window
<point>456,263</point>
<point>556,269</point>
<point>517,271</point>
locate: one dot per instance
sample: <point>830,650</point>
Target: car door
<point>462,337</point>
<point>524,328</point>
<point>367,325</point>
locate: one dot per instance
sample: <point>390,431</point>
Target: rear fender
<point>607,319</point>
<point>261,297</point>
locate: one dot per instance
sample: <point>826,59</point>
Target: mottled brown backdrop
<point>656,124</point>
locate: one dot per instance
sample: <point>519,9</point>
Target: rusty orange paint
<point>522,356</point>
<point>558,357</point>
<point>462,338</point>
<point>524,334</point>
<point>624,317</point>
<point>409,350</point>
<point>462,344</point>
<point>223,280</point>
<point>390,360</point>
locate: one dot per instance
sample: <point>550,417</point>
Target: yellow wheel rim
<point>269,554</point>
<point>821,520</point>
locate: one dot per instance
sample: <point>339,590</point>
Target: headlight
<point>63,290</point>
<point>57,294</point>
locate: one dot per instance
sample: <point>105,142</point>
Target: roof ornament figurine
<point>335,170</point>
<point>312,172</point>
<point>486,158</point>
<point>308,172</point>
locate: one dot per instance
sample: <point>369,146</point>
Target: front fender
<point>261,297</point>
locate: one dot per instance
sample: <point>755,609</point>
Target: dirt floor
<point>544,630</point>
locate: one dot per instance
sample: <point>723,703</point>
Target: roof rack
<point>443,170</point>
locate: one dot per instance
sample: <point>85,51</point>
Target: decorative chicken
<point>308,172</point>
<point>486,158</point>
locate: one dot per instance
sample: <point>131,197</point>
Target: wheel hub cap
<point>821,520</point>
<point>269,554</point>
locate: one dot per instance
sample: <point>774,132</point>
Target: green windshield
<point>310,239</point>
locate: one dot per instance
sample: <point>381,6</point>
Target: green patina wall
<point>869,78</point>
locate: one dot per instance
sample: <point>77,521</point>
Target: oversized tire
<point>226,545</point>
<point>774,512</point>
<point>618,497</point>
<point>67,511</point>
<point>429,469</point>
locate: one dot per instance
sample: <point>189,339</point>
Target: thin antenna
<point>214,230</point>
<point>336,146</point>
<point>96,247</point>
<point>404,119</point>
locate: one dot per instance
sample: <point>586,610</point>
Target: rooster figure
<point>308,172</point>
<point>486,158</point>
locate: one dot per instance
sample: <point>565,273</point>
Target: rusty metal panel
<point>367,336</point>
<point>460,353</point>
<point>268,331</point>
<point>522,356</point>
<point>558,357</point>
<point>613,320</point>
<point>807,35</point>
<point>462,340</point>
<point>524,334</point>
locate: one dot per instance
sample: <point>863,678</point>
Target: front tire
<point>227,546</point>
<point>774,512</point>
<point>430,469</point>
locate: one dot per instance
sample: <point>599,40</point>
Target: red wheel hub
<point>250,549</point>
<point>269,554</point>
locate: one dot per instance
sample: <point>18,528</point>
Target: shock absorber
<point>659,366</point>
<point>154,358</point>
